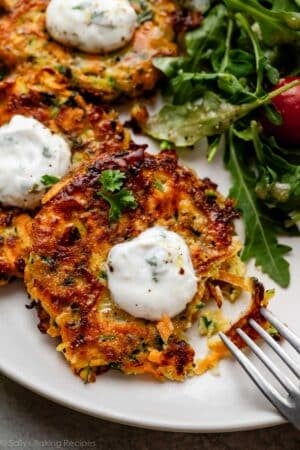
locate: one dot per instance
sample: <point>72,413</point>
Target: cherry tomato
<point>288,104</point>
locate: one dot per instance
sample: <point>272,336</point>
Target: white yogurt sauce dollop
<point>93,26</point>
<point>28,151</point>
<point>152,275</point>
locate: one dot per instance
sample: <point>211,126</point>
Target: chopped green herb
<point>54,111</point>
<point>273,331</point>
<point>103,274</point>
<point>3,72</point>
<point>206,321</point>
<point>212,322</point>
<point>112,81</point>
<point>80,7</point>
<point>145,16</point>
<point>107,338</point>
<point>166,145</point>
<point>152,261</point>
<point>207,327</point>
<point>200,305</point>
<point>46,152</point>
<point>118,197</point>
<point>86,374</point>
<point>62,69</point>
<point>34,189</point>
<point>49,180</point>
<point>115,366</point>
<point>210,193</point>
<point>112,180</point>
<point>96,14</point>
<point>49,260</point>
<point>154,277</point>
<point>158,185</point>
<point>69,281</point>
<point>118,202</point>
<point>31,259</point>
<point>213,147</point>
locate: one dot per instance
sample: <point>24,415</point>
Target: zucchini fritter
<point>90,130</point>
<point>14,243</point>
<point>8,5</point>
<point>27,46</point>
<point>72,236</point>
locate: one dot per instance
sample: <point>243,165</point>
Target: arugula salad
<point>239,77</point>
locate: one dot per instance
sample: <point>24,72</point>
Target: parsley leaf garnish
<point>112,180</point>
<point>49,180</point>
<point>113,192</point>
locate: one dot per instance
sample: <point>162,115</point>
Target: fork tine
<point>273,344</point>
<point>289,335</point>
<point>283,380</point>
<point>266,388</point>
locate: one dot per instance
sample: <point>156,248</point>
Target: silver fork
<point>288,406</point>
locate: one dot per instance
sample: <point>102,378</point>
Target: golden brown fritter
<point>89,129</point>
<point>72,236</point>
<point>27,46</point>
<point>14,243</point>
<point>217,349</point>
<point>8,5</point>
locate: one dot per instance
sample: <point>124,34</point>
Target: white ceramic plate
<point>206,404</point>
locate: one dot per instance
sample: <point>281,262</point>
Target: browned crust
<point>217,349</point>
<point>27,48</point>
<point>14,242</point>
<point>71,239</point>
<point>90,130</point>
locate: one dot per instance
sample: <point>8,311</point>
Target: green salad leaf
<point>198,5</point>
<point>184,125</point>
<point>278,25</point>
<point>205,38</point>
<point>223,83</point>
<point>278,181</point>
<point>260,242</point>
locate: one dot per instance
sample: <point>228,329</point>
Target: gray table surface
<point>30,421</point>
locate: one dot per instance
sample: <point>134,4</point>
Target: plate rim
<point>132,421</point>
<point>111,414</point>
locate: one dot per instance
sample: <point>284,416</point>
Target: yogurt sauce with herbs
<point>152,275</point>
<point>28,152</point>
<point>93,26</point>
